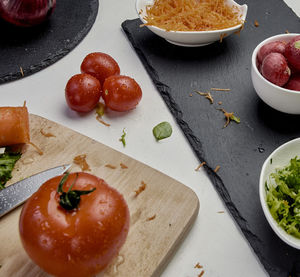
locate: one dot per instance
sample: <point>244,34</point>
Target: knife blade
<point>17,193</point>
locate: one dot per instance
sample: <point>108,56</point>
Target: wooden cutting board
<point>150,243</point>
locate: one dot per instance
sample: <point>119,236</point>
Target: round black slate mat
<point>24,51</point>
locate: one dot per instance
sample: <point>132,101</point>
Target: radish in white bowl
<point>276,91</point>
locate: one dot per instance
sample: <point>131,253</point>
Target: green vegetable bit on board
<point>283,197</point>
<point>100,109</point>
<point>162,130</point>
<point>7,163</point>
<point>122,139</point>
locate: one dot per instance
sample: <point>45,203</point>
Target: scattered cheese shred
<point>141,188</point>
<point>222,36</point>
<point>192,15</point>
<point>110,166</point>
<point>21,70</point>
<point>217,168</point>
<point>199,166</point>
<point>124,166</point>
<point>46,134</point>
<point>207,96</point>
<point>240,29</point>
<point>37,148</point>
<point>101,121</point>
<point>220,89</point>
<point>201,273</point>
<point>81,161</point>
<point>198,266</point>
<point>151,218</point>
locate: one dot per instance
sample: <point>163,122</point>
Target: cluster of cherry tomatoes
<point>100,77</point>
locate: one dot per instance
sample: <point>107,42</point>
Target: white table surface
<point>215,241</point>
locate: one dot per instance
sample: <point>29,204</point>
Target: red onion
<point>26,12</point>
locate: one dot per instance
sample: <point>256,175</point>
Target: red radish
<point>293,83</point>
<point>275,69</point>
<point>271,47</point>
<point>292,52</point>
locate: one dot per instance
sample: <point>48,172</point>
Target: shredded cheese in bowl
<point>192,15</point>
<point>192,23</point>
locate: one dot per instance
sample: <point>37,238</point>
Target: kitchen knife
<point>17,193</point>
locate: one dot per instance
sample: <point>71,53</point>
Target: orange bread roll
<point>14,125</point>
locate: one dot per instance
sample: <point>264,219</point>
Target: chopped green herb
<point>271,161</point>
<point>7,163</point>
<point>100,109</point>
<point>229,117</point>
<point>234,118</point>
<point>70,200</point>
<point>283,197</point>
<point>266,186</point>
<point>162,130</point>
<point>122,139</point>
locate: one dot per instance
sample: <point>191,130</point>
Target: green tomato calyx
<point>70,200</point>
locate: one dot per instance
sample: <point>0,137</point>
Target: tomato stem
<point>70,200</point>
<point>73,182</point>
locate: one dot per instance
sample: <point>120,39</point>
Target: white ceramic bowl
<point>281,99</point>
<point>280,158</point>
<point>193,38</point>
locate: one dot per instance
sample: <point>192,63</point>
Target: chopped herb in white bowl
<point>283,197</point>
<point>279,191</point>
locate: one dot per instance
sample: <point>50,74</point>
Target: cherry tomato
<point>83,92</point>
<point>121,93</point>
<point>100,65</point>
<point>79,242</point>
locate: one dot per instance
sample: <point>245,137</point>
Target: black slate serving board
<point>32,49</point>
<point>239,149</point>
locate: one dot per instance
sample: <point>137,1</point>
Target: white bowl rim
<point>242,8</point>
<point>253,60</point>
<point>280,232</point>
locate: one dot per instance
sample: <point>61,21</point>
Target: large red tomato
<point>121,93</point>
<point>100,65</point>
<point>78,242</point>
<point>83,92</point>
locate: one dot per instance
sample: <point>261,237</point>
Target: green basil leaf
<point>162,130</point>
